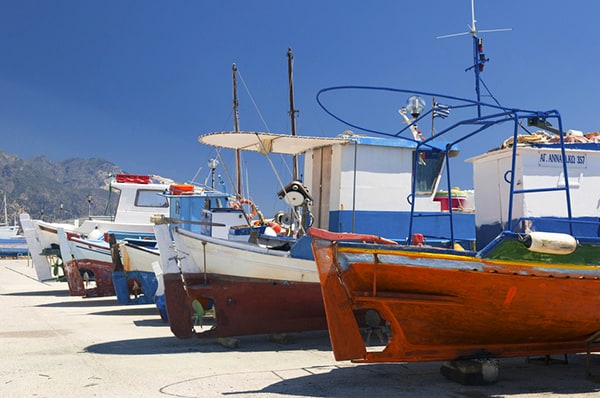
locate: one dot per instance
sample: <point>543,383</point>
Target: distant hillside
<point>39,187</point>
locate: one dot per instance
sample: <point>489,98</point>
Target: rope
<point>489,92</point>
<point>253,102</point>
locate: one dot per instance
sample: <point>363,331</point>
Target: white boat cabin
<point>365,186</point>
<point>139,199</point>
<point>540,175</point>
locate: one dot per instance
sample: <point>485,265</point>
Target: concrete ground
<point>55,345</point>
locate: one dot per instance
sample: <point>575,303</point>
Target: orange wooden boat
<point>429,304</point>
<point>529,285</point>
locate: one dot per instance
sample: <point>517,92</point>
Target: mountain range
<point>54,191</point>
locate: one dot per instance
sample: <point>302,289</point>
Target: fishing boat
<point>85,247</point>
<point>42,243</point>
<point>257,274</point>
<point>216,257</point>
<point>15,246</point>
<point>12,240</point>
<point>528,287</point>
<point>140,262</point>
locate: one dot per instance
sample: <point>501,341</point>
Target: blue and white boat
<point>12,240</point>
<point>84,246</point>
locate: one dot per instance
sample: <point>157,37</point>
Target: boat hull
<point>222,257</point>
<point>243,306</point>
<point>447,306</point>
<point>14,246</point>
<point>249,291</point>
<point>91,261</point>
<point>98,271</point>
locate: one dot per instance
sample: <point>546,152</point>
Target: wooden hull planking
<point>243,306</point>
<point>100,273</point>
<point>430,313</point>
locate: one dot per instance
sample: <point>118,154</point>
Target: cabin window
<point>215,202</point>
<point>149,198</point>
<point>428,171</point>
<point>219,203</point>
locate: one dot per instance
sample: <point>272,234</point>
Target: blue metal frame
<point>498,115</point>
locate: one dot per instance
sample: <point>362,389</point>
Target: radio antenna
<point>479,58</point>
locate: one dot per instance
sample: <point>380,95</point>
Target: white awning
<point>267,142</point>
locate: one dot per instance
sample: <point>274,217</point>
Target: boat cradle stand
<point>471,372</point>
<point>594,338</point>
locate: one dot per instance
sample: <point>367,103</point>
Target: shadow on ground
<point>39,293</point>
<point>133,310</point>
<point>158,322</point>
<point>400,379</point>
<point>166,345</point>
<point>81,302</point>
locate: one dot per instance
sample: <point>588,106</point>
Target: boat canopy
<point>267,142</point>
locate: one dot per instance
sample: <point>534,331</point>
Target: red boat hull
<point>101,272</point>
<point>243,306</point>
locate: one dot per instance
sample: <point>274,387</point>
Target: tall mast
<point>236,128</point>
<point>293,111</point>
<point>5,210</point>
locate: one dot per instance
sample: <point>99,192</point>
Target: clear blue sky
<point>136,82</point>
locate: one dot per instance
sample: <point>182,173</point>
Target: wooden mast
<point>293,111</point>
<point>236,128</point>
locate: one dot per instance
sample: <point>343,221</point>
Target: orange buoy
<point>275,227</point>
<point>181,189</point>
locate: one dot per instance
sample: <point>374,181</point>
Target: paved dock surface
<point>55,345</point>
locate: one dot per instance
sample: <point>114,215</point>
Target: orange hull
<point>433,309</point>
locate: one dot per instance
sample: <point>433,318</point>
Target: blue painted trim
<point>395,224</point>
<point>400,143</point>
<point>148,283</point>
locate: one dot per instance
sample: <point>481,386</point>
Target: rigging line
<point>196,175</point>
<point>266,153</point>
<point>283,160</point>
<point>253,102</point>
<point>247,183</point>
<point>228,121</point>
<point>226,170</point>
<point>489,92</point>
<point>287,166</point>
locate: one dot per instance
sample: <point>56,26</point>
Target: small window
<point>149,198</point>
<point>429,167</point>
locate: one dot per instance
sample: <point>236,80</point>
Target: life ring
<point>238,206</point>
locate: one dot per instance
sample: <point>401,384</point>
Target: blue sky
<point>136,82</point>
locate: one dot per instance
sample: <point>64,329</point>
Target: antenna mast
<point>479,58</point>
